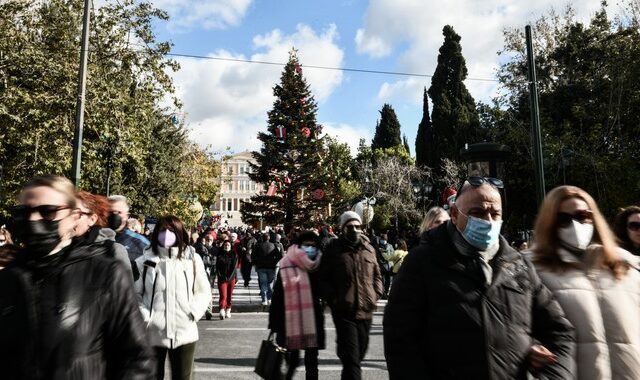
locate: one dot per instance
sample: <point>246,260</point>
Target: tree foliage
<point>589,94</point>
<point>387,133</point>
<point>130,139</point>
<point>425,149</point>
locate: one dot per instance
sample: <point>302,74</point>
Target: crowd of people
<point>87,293</point>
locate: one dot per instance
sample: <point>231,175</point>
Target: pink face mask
<point>166,238</point>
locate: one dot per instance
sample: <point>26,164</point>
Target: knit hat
<point>348,216</point>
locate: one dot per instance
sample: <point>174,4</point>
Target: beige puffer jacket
<point>604,311</point>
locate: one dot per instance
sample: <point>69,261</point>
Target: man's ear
<point>454,213</point>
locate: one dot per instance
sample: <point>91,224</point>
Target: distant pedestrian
<point>396,257</point>
<point>434,217</point>
<point>265,258</point>
<point>173,293</point>
<point>351,284</point>
<point>8,250</point>
<point>296,315</point>
<point>465,305</point>
<point>596,283</point>
<point>226,263</point>
<point>68,309</point>
<point>117,221</point>
<point>248,245</point>
<point>627,229</point>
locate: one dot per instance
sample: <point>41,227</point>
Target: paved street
<point>228,349</point>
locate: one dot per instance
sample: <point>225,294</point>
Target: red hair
<point>98,204</point>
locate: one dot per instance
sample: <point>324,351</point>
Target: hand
<point>539,357</point>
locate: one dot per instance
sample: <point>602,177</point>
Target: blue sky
<point>225,103</point>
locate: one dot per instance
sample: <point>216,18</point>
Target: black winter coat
<point>277,316</point>
<point>443,322</point>
<point>226,263</point>
<point>71,315</point>
<point>266,255</point>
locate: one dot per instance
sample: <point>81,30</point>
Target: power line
<point>318,67</point>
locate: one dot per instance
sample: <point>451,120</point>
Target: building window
<point>229,205</point>
<point>230,186</point>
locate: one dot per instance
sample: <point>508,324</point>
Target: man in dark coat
<point>265,257</point>
<point>351,284</point>
<point>465,305</point>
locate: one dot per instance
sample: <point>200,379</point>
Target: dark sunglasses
<point>48,212</point>
<point>583,216</point>
<point>352,227</point>
<point>477,181</point>
<point>634,226</point>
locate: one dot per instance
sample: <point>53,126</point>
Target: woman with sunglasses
<point>92,226</point>
<point>627,228</point>
<point>173,292</point>
<point>67,310</point>
<point>577,259</point>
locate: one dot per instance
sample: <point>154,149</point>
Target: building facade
<point>235,187</point>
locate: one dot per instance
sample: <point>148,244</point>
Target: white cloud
<point>348,134</point>
<point>226,103</point>
<point>208,14</point>
<point>411,30</point>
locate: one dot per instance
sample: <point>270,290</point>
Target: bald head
<point>482,202</point>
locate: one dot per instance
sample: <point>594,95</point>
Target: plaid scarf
<point>299,316</point>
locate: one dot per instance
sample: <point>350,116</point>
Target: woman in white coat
<point>577,258</point>
<point>173,292</point>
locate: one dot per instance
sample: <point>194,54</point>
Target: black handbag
<point>270,359</point>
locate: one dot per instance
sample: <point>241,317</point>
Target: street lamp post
<point>422,190</point>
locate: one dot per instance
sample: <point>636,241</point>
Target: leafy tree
<point>295,165</point>
<point>454,118</point>
<point>387,133</point>
<point>131,144</point>
<point>589,91</point>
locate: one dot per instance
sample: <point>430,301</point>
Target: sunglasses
<point>47,212</point>
<point>582,217</point>
<point>353,227</point>
<point>477,181</point>
<point>634,226</point>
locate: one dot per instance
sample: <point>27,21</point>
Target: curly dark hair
<point>620,227</point>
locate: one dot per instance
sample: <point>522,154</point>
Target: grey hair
<point>119,198</point>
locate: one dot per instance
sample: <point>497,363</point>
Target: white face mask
<point>576,235</point>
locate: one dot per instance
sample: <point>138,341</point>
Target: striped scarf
<point>299,316</point>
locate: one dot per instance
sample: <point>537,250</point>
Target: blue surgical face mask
<point>312,252</point>
<point>383,242</point>
<point>481,233</point>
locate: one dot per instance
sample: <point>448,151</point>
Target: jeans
<point>352,340</point>
<point>265,279</point>
<point>180,358</point>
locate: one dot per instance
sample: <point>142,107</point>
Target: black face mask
<point>353,236</point>
<point>114,221</point>
<point>41,237</point>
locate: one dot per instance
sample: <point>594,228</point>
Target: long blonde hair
<point>432,214</point>
<point>546,243</point>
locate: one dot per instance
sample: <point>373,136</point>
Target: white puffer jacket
<point>173,295</point>
<point>604,311</point>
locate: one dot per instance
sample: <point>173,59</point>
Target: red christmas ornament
<point>271,191</point>
<point>287,180</point>
<point>281,132</point>
<point>297,68</point>
<point>318,193</point>
<point>306,132</point>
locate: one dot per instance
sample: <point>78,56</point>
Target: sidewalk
<point>247,300</point>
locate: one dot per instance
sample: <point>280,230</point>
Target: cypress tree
<point>405,142</point>
<point>454,117</point>
<point>387,130</point>
<point>425,148</point>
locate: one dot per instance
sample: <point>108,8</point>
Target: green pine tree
<point>387,130</point>
<point>454,117</point>
<point>295,164</point>
<point>424,152</point>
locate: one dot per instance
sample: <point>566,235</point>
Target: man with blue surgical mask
<point>465,305</point>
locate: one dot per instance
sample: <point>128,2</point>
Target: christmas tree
<point>291,162</point>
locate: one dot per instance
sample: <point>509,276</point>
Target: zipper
<point>186,281</point>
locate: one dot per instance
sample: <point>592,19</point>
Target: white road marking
<point>250,369</point>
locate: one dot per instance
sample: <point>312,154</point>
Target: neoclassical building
<point>235,186</point>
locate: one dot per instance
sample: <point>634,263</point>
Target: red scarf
<point>299,316</point>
